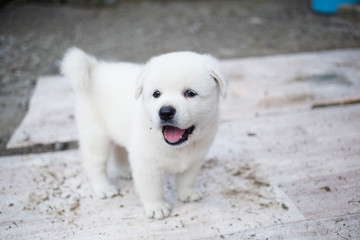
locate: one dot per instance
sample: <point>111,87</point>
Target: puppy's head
<point>180,93</point>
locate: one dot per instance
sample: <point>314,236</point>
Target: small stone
<point>5,79</point>
<point>283,206</point>
<point>255,21</point>
<point>326,188</point>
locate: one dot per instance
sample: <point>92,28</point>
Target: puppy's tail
<point>77,67</point>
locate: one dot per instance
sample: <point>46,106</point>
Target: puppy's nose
<point>167,113</point>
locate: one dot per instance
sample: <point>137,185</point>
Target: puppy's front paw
<point>105,191</point>
<point>157,210</point>
<point>189,195</point>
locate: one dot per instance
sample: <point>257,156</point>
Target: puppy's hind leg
<point>120,157</point>
<point>95,152</point>
<point>95,147</point>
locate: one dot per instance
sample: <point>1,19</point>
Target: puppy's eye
<point>156,94</point>
<point>190,93</point>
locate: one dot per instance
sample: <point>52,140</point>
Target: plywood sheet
<point>276,170</point>
<point>50,117</point>
<point>273,84</point>
<point>328,195</point>
<point>297,145</point>
<point>250,182</point>
<point>257,86</point>
<point>47,195</point>
<point>340,227</point>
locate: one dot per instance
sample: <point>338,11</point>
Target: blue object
<point>329,6</point>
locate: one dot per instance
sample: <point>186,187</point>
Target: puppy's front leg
<point>185,185</point>
<point>149,184</point>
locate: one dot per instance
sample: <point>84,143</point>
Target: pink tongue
<point>173,134</point>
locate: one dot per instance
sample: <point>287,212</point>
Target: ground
<point>284,165</point>
<point>34,36</point>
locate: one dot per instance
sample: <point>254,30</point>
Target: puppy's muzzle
<point>173,135</point>
<point>167,113</point>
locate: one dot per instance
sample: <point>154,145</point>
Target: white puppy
<point>167,127</point>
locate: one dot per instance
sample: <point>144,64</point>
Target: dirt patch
<point>53,196</point>
<point>254,191</point>
<point>330,78</point>
<point>210,163</point>
<point>285,100</point>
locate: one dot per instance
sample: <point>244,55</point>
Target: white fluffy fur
<point>116,111</point>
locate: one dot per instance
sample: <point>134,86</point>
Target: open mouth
<point>174,135</point>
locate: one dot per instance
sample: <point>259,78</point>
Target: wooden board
<point>340,227</point>
<point>254,181</point>
<point>47,194</point>
<point>277,170</point>
<point>50,117</point>
<point>257,86</point>
<point>328,195</point>
<point>274,84</point>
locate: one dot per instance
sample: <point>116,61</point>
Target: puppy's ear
<point>139,85</point>
<point>215,72</point>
